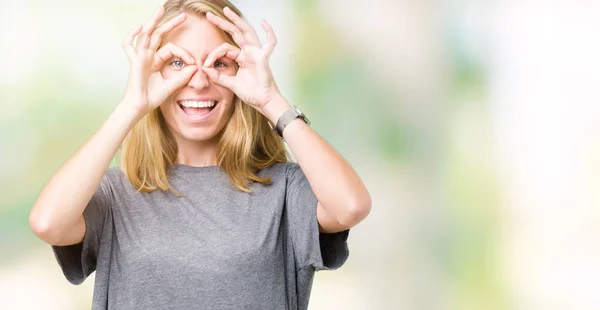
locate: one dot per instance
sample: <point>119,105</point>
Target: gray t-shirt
<point>215,248</point>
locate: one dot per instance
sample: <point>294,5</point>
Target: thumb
<point>219,78</point>
<point>182,78</point>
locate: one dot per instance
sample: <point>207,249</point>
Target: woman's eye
<point>177,63</point>
<point>220,64</point>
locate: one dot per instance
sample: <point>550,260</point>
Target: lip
<point>200,119</point>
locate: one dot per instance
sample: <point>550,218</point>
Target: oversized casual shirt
<point>215,248</point>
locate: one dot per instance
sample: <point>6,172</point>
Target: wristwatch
<point>288,116</point>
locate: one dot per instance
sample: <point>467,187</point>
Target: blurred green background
<point>474,124</point>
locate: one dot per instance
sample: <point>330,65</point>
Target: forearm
<point>334,182</point>
<point>65,196</point>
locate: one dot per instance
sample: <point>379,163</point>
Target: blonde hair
<point>246,143</point>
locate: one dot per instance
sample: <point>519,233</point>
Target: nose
<point>199,80</point>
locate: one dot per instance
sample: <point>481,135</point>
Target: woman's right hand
<point>146,87</point>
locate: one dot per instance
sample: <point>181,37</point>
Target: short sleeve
<point>322,251</point>
<point>78,261</point>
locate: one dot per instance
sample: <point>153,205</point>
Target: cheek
<point>226,93</point>
<point>166,108</point>
<point>164,111</point>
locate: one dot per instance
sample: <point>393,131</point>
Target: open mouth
<point>197,109</point>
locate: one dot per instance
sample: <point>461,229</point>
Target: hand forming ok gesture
<point>254,82</point>
<point>146,87</point>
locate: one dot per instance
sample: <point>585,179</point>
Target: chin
<point>198,134</point>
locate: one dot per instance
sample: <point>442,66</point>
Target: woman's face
<point>186,112</point>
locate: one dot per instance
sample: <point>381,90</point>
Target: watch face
<point>302,115</point>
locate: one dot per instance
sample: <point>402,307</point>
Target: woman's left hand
<point>253,83</point>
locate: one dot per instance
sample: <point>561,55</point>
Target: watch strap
<point>287,116</point>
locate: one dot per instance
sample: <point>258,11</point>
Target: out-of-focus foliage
<point>475,125</point>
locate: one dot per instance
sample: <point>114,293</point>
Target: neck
<point>196,153</point>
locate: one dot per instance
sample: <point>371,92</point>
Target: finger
<point>169,51</point>
<point>219,78</point>
<point>234,31</point>
<point>165,28</point>
<point>271,38</point>
<point>242,24</point>
<point>180,79</point>
<point>128,41</point>
<point>223,50</point>
<point>144,37</point>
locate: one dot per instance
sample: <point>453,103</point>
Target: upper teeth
<point>198,104</point>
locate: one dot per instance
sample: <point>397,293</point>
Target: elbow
<point>43,228</point>
<point>357,211</point>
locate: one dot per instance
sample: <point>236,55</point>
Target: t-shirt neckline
<point>185,168</point>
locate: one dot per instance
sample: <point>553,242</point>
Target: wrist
<point>125,109</point>
<point>275,107</point>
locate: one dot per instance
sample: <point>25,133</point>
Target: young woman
<point>205,211</point>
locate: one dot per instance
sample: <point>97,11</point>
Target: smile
<point>196,110</point>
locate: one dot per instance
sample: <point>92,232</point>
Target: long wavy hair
<point>246,144</point>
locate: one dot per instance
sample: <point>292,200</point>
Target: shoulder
<point>287,174</point>
<point>113,172</point>
<point>115,180</point>
<point>281,174</point>
<point>114,175</point>
<point>278,170</point>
